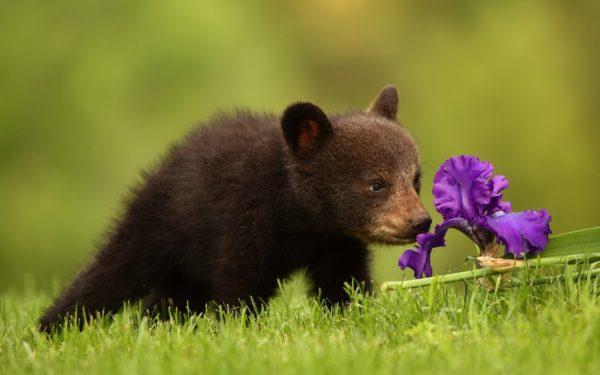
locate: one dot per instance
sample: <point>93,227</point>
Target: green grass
<point>551,328</point>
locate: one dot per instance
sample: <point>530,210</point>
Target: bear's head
<point>357,173</point>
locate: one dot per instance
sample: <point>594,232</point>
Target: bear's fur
<point>248,199</point>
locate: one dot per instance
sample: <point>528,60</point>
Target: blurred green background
<point>91,92</point>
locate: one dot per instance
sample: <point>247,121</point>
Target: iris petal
<point>461,189</point>
<point>419,259</point>
<point>496,184</point>
<point>521,232</point>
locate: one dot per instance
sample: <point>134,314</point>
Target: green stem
<point>481,272</point>
<point>549,279</point>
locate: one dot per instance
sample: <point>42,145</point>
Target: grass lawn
<point>528,329</point>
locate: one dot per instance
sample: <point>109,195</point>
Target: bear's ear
<point>305,127</point>
<point>385,104</point>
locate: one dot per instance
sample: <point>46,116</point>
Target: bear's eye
<point>376,187</point>
<point>417,182</point>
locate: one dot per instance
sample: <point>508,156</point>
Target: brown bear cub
<point>248,199</point>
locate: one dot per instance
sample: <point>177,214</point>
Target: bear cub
<point>248,199</point>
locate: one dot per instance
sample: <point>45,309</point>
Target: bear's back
<point>228,167</point>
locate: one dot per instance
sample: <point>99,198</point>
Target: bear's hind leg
<point>111,279</point>
<point>177,295</point>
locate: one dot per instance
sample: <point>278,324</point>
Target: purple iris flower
<point>469,198</point>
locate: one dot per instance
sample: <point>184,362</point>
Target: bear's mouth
<point>386,236</point>
<point>392,239</point>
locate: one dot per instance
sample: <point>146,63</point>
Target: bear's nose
<point>421,224</point>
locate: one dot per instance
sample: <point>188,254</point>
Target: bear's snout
<point>421,223</point>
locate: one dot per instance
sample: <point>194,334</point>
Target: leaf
<point>584,241</point>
